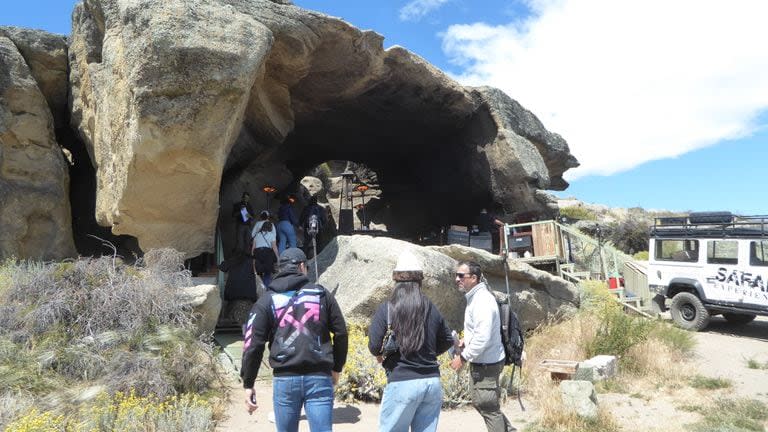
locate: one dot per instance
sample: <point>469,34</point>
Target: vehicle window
<point>758,253</point>
<point>722,252</point>
<point>677,250</point>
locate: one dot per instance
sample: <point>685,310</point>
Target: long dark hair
<point>408,308</point>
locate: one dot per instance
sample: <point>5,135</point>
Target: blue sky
<point>663,103</point>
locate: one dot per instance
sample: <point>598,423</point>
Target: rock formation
<point>176,98</point>
<point>359,270</point>
<point>34,199</point>
<point>537,295</point>
<point>182,105</point>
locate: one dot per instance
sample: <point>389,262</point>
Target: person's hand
<point>250,401</point>
<point>335,377</point>
<point>458,344</point>
<point>457,362</point>
<point>379,359</point>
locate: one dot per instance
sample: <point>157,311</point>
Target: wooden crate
<point>546,240</point>
<point>560,369</point>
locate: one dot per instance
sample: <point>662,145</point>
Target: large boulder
<point>205,301</point>
<point>359,270</point>
<point>183,104</point>
<point>538,296</point>
<point>34,182</point>
<point>158,94</point>
<point>46,56</point>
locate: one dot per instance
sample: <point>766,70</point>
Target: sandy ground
<point>722,351</point>
<point>357,417</point>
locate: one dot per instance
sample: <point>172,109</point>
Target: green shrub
<point>595,296</point>
<point>578,213</point>
<point>754,364</point>
<point>456,384</point>
<point>617,332</point>
<point>709,383</point>
<point>678,339</point>
<point>641,256</point>
<point>735,415</point>
<point>630,234</point>
<point>364,379</point>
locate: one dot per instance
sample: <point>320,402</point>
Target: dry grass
<point>554,417</point>
<point>648,348</point>
<point>70,331</point>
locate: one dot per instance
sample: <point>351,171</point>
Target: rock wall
<point>178,98</point>
<point>538,295</point>
<point>358,269</point>
<point>34,199</point>
<point>182,105</point>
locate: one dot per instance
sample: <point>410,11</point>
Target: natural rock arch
<point>182,105</point>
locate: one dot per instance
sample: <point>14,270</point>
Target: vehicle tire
<point>738,318</point>
<point>688,312</point>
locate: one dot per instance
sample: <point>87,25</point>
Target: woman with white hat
<point>413,395</point>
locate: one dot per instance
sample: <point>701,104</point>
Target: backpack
<point>513,340</point>
<point>299,331</point>
<point>511,334</point>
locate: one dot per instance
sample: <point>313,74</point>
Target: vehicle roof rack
<point>717,224</point>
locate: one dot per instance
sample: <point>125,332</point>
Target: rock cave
<point>181,106</point>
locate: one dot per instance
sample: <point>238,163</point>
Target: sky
<point>664,103</point>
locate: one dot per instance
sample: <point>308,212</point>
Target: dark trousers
<point>486,394</point>
<point>243,238</point>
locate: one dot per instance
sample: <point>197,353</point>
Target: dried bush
<point>69,330</point>
<point>91,296</point>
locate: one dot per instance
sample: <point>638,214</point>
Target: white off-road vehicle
<point>708,264</point>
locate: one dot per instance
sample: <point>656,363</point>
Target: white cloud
<point>417,9</point>
<point>626,82</point>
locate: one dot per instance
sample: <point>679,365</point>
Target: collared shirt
<point>482,334</point>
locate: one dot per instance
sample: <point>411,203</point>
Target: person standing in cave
<point>488,223</point>
<point>321,217</point>
<point>243,214</point>
<point>265,251</point>
<point>286,225</point>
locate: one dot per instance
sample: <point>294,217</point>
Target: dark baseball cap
<point>292,256</point>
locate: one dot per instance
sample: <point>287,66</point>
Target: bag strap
<point>389,327</point>
<point>288,305</point>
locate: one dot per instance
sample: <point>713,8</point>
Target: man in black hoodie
<point>297,318</point>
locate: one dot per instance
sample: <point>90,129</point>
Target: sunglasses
<point>463,275</point>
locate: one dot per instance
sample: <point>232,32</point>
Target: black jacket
<point>303,345</point>
<point>422,363</point>
<point>238,216</point>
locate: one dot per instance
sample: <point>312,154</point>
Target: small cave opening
<point>91,239</point>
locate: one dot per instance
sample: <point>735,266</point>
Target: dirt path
<point>357,417</point>
<point>722,351</point>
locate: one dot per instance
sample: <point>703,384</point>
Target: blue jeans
<point>285,234</point>
<point>413,403</point>
<point>314,392</point>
